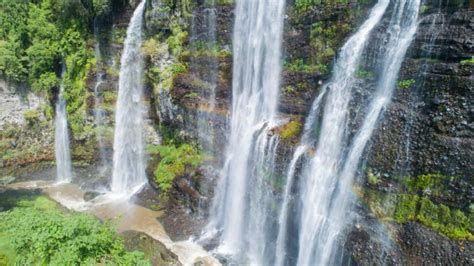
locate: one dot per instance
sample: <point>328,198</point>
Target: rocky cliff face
<point>418,169</point>
<point>25,136</point>
<point>425,134</point>
<point>427,131</point>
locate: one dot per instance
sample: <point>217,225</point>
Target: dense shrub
<point>40,38</point>
<point>37,233</point>
<point>173,162</point>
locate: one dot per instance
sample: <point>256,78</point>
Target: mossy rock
<point>290,131</point>
<point>153,249</point>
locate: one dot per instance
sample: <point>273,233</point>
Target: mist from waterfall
<point>61,138</point>
<point>129,164</point>
<point>243,196</point>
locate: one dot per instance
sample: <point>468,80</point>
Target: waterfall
<point>129,166</point>
<point>326,183</point>
<point>401,31</point>
<point>320,176</point>
<point>282,230</point>
<point>241,201</point>
<point>99,114</point>
<point>305,144</point>
<point>61,139</point>
<point>203,34</point>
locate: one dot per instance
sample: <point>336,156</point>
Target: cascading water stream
<point>240,198</point>
<point>327,179</point>
<point>320,176</point>
<point>305,144</point>
<point>401,31</point>
<point>282,219</point>
<point>203,35</point>
<point>99,115</point>
<point>129,165</point>
<point>436,27</point>
<point>61,139</point>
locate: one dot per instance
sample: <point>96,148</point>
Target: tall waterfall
<point>129,166</point>
<point>241,201</point>
<point>325,188</point>
<point>61,139</point>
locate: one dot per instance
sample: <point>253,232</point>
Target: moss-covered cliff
<point>415,184</point>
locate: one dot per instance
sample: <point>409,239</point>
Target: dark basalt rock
<point>424,246</point>
<point>454,40</point>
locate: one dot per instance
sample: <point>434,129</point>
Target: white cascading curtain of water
<point>401,30</point>
<point>257,42</point>
<point>129,166</point>
<point>61,138</point>
<point>326,202</point>
<point>320,177</point>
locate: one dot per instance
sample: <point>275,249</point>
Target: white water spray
<point>61,140</point>
<point>238,204</point>
<point>320,178</point>
<point>326,190</point>
<point>129,165</point>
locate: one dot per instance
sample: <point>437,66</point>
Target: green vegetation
<point>37,233</point>
<point>15,152</point>
<point>364,74</point>
<point>153,48</point>
<point>424,8</point>
<point>173,162</point>
<point>303,5</point>
<point>372,178</point>
<point>300,66</point>
<point>406,208</point>
<point>222,2</point>
<point>31,116</point>
<point>406,83</point>
<point>452,223</point>
<point>468,61</point>
<point>102,7</point>
<point>323,40</point>
<point>326,35</point>
<point>415,205</point>
<point>192,95</point>
<point>200,48</point>
<point>183,7</point>
<point>290,130</point>
<point>434,183</point>
<point>163,78</point>
<point>177,38</point>
<point>42,36</point>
